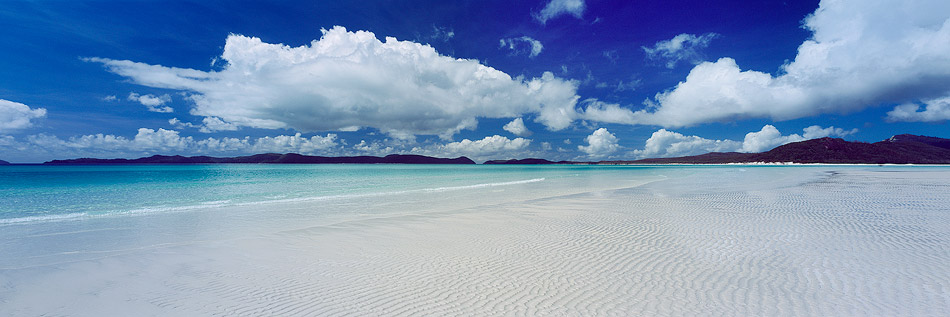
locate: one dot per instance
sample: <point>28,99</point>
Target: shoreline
<point>747,242</point>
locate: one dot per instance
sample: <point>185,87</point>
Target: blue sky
<point>561,79</point>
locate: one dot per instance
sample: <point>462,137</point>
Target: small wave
<point>421,190</point>
<point>44,218</point>
<point>216,202</point>
<point>137,211</point>
<point>441,189</point>
<point>152,210</point>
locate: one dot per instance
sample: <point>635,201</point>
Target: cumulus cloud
<point>348,80</point>
<point>212,124</point>
<point>814,132</point>
<point>597,110</point>
<point>208,125</point>
<point>16,116</point>
<point>557,8</point>
<point>152,102</point>
<point>937,109</point>
<point>600,144</point>
<point>683,47</point>
<point>861,54</point>
<point>522,45</point>
<point>373,148</point>
<point>769,137</point>
<point>161,141</point>
<point>181,124</point>
<point>517,127</point>
<point>146,140</point>
<point>294,143</point>
<point>664,143</point>
<point>490,147</point>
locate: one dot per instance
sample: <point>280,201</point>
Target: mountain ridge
<point>268,158</point>
<point>898,149</point>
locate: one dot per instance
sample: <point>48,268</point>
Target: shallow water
<point>43,193</point>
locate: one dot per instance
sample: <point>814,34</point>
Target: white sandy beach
<point>814,242</point>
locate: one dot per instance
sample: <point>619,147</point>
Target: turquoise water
<point>44,193</point>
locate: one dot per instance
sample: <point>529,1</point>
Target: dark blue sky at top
<point>42,44</point>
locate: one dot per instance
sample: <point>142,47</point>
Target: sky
<point>581,80</point>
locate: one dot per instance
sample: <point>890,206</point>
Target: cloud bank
<point>664,143</point>
<point>350,80</point>
<point>490,147</point>
<point>161,141</point>
<point>16,116</point>
<point>861,54</point>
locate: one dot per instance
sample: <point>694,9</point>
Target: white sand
<point>857,242</point>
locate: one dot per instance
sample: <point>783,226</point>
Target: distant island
<point>899,149</point>
<point>269,158</point>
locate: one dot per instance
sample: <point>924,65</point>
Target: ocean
<point>31,193</point>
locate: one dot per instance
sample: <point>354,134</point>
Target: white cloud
<point>766,139</point>
<point>769,137</point>
<point>208,125</point>
<point>683,47</point>
<point>556,8</point>
<point>152,102</point>
<point>490,147</point>
<point>7,140</point>
<point>212,145</point>
<point>16,116</point>
<point>374,148</point>
<point>522,45</point>
<point>294,143</point>
<point>161,141</point>
<point>146,140</point>
<point>347,79</point>
<point>600,144</point>
<point>664,143</point>
<point>110,98</point>
<point>180,124</point>
<point>606,112</point>
<point>517,127</point>
<point>861,54</point>
<point>937,109</point>
<point>814,132</point>
<point>212,124</point>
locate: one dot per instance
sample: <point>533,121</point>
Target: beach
<point>613,241</point>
